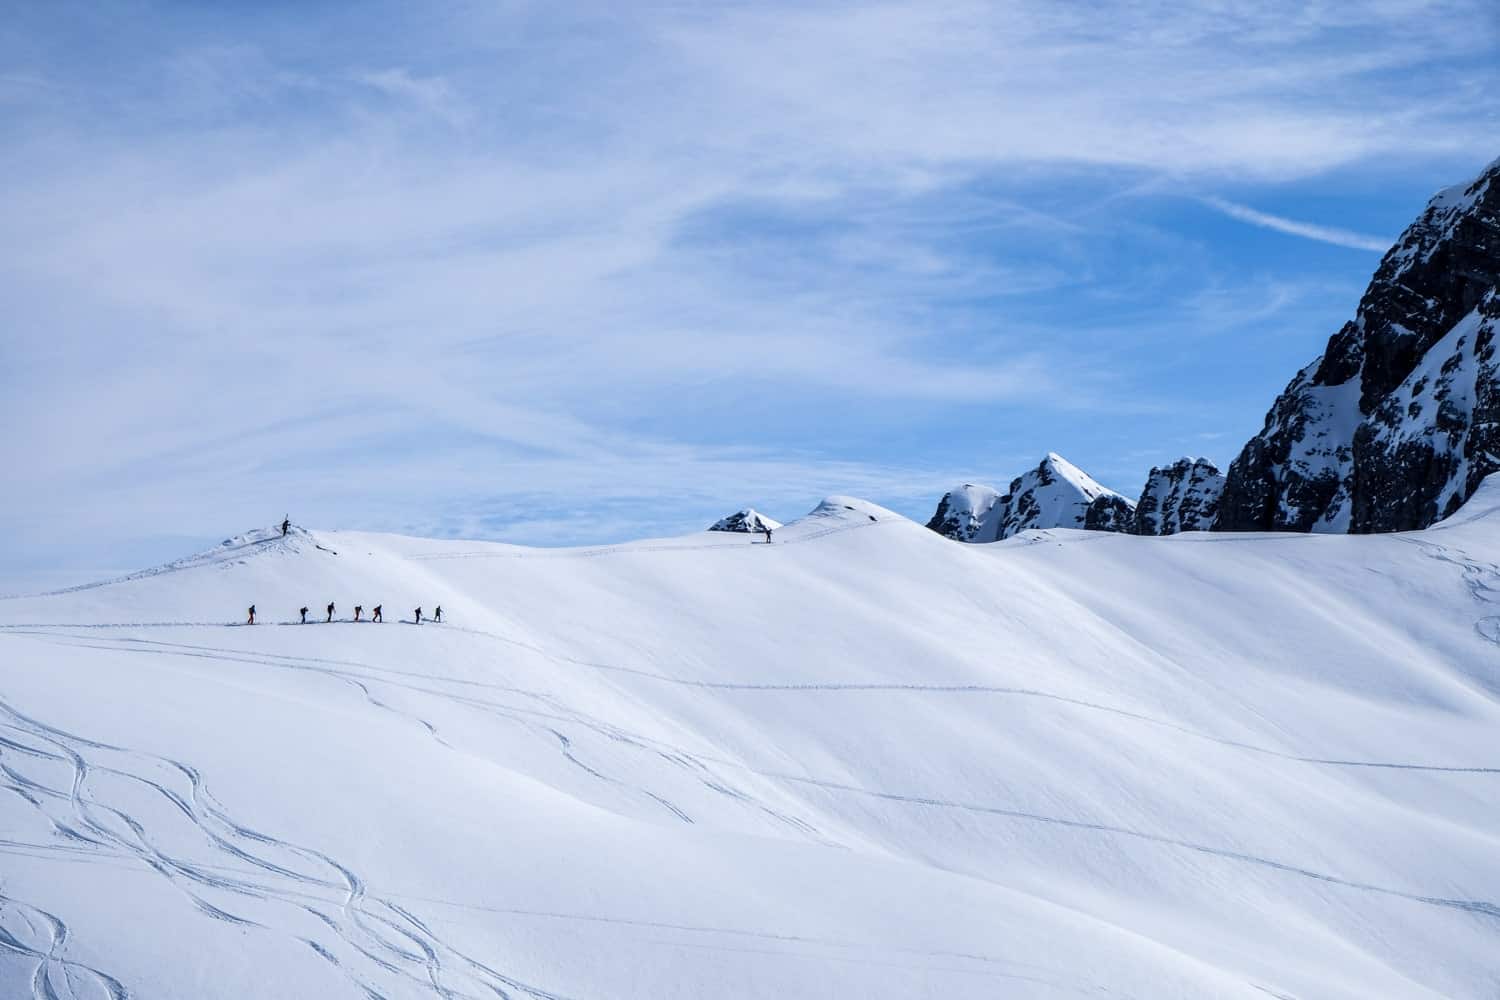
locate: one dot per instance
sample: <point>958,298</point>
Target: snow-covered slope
<point>1183,496</point>
<point>1055,494</point>
<point>744,521</point>
<point>1347,446</point>
<point>862,763</point>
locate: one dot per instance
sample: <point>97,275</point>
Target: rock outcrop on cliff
<point>1394,426</point>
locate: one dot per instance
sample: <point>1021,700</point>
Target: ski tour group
<point>359,609</point>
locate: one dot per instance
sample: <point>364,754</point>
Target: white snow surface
<point>861,762</point>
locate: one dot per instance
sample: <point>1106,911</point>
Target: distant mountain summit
<point>747,520</point>
<point>1394,426</point>
<point>1055,494</point>
<point>1183,496</point>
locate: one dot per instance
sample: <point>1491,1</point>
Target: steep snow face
<point>1183,496</point>
<point>1324,460</point>
<point>861,762</point>
<point>747,520</point>
<point>1056,494</point>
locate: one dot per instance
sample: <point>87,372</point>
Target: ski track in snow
<point>86,789</point>
<point>1479,577</point>
<point>33,933</point>
<point>337,668</point>
<point>701,762</point>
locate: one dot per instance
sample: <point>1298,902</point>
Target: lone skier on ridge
<point>251,620</point>
<point>285,524</point>
<point>330,611</point>
<point>304,614</point>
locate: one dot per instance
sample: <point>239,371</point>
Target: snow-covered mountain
<point>1183,496</point>
<point>963,511</point>
<point>747,520</point>
<point>861,762</point>
<point>1396,423</point>
<point>1055,494</point>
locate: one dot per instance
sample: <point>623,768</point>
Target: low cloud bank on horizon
<point>577,276</point>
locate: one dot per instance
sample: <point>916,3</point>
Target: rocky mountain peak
<point>1334,454</point>
<point>1183,496</point>
<point>747,520</point>
<point>1053,494</point>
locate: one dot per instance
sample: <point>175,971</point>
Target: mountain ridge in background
<point>1392,428</point>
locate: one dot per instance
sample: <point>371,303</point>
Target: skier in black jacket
<point>304,614</point>
<point>330,611</point>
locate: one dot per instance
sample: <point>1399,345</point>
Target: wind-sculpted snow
<point>860,761</point>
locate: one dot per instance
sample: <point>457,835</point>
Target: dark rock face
<point>1183,496</point>
<point>1109,512</point>
<point>747,520</point>
<point>1394,426</point>
<point>1428,443</point>
<point>960,515</point>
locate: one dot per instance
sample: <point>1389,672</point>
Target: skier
<point>330,611</point>
<point>376,616</point>
<point>767,530</point>
<point>419,616</point>
<point>252,616</point>
<point>437,615</point>
<point>285,524</point>
<point>359,609</point>
<point>304,614</point>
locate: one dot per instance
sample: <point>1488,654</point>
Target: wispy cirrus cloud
<point>645,253</point>
<point>1292,227</point>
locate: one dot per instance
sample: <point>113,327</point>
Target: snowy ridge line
<point>1478,906</point>
<point>609,550</point>
<point>250,547</point>
<point>311,663</point>
<point>368,939</point>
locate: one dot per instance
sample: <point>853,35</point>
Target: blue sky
<point>577,273</point>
